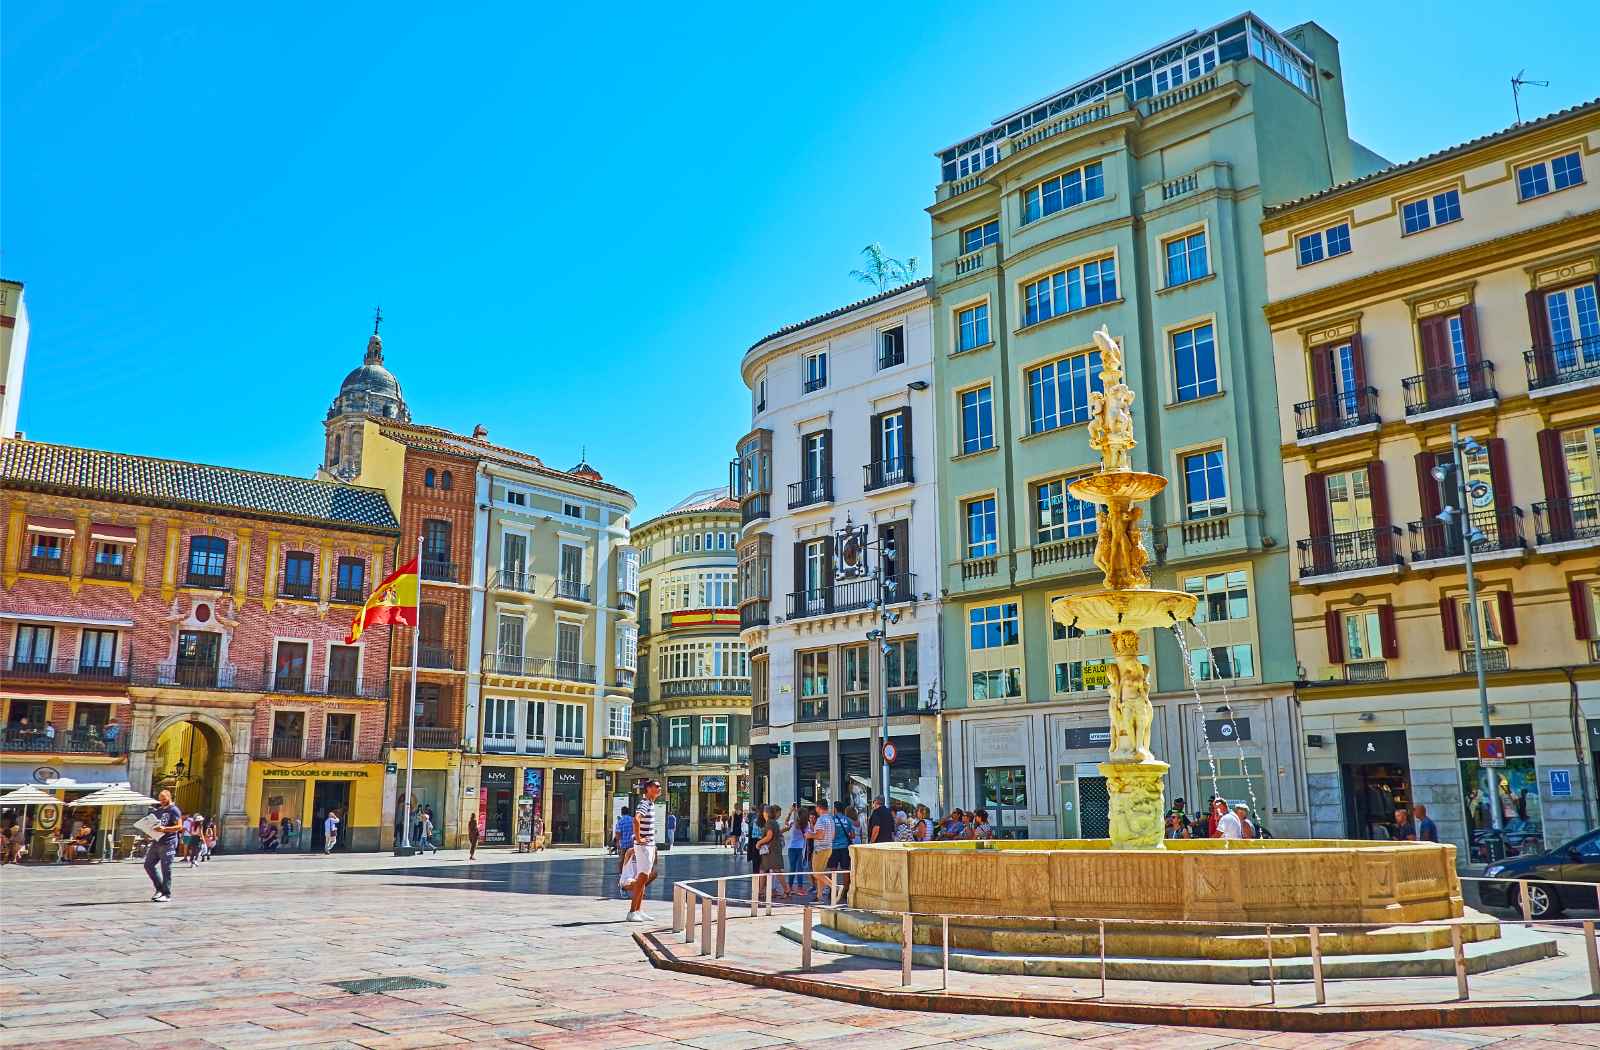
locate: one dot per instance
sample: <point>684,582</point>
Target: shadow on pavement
<point>579,877</point>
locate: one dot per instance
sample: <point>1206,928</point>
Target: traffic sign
<point>888,752</point>
<point>1492,750</point>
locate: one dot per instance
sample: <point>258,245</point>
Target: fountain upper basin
<point>1130,610</point>
<point>1132,486</point>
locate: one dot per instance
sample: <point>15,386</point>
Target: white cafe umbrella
<point>117,795</point>
<point>28,796</point>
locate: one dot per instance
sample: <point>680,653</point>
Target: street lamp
<point>885,592</point>
<point>1460,521</point>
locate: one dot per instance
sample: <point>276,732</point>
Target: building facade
<point>1128,200</point>
<point>13,354</point>
<point>1463,294</point>
<point>691,726</point>
<point>526,620</point>
<point>838,511</point>
<point>173,625</point>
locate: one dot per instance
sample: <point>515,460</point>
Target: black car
<point>1575,861</point>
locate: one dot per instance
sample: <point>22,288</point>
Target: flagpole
<point>411,711</point>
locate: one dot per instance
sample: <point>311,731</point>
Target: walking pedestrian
<point>1427,830</point>
<point>208,839</point>
<point>794,830</point>
<point>821,836</point>
<point>425,837</point>
<point>330,831</point>
<point>158,856</point>
<point>622,834</point>
<point>769,850</point>
<point>639,869</point>
<point>472,836</point>
<point>192,826</point>
<point>844,836</point>
<point>880,823</point>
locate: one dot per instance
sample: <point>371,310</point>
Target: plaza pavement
<point>526,952</point>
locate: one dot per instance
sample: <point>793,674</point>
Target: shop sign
<point>1561,783</point>
<point>1222,730</point>
<point>569,776</point>
<point>998,743</point>
<point>392,767</point>
<point>780,748</point>
<point>1518,737</point>
<point>533,782</point>
<point>1385,747</point>
<point>498,775</point>
<point>1081,738</point>
<point>332,774</point>
<point>45,774</point>
<point>1594,734</point>
<point>713,785</point>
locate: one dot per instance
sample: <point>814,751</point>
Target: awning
<point>61,775</point>
<point>53,526</point>
<point>114,533</point>
<point>66,698</point>
<point>28,795</point>
<point>88,621</point>
<point>119,795</point>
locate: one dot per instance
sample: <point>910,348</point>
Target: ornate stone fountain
<point>1135,778</point>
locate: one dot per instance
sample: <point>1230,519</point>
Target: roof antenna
<point>1517,83</point>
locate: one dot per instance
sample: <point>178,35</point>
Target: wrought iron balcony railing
<point>298,589</point>
<point>1572,361</point>
<point>1449,387</point>
<point>895,470</point>
<point>64,669</point>
<point>438,656</point>
<point>810,492</point>
<point>756,506</point>
<point>439,570</point>
<point>514,580</point>
<point>706,687</point>
<point>1349,551</point>
<point>73,742</point>
<point>109,570</point>
<point>760,714</point>
<point>813,709</point>
<point>49,564</point>
<point>755,614</point>
<point>1336,412</point>
<point>428,738</point>
<point>1564,520</point>
<point>349,595</point>
<point>851,595</point>
<point>1501,530</point>
<point>576,590</point>
<point>211,581</point>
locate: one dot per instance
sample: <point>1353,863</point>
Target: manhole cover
<point>374,985</point>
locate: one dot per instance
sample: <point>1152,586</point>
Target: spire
<point>375,344</point>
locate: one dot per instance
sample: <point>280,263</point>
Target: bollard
<point>1272,971</point>
<point>1527,905</point>
<point>1461,961</point>
<point>722,927</point>
<point>677,908</point>
<point>688,919</point>
<point>944,983</point>
<point>905,950</point>
<point>1102,958</point>
<point>805,938</point>
<point>1594,955</point>
<point>705,925</point>
<point>1316,966</point>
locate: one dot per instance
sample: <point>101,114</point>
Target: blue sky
<point>575,222</point>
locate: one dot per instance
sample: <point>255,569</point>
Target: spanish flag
<point>394,601</point>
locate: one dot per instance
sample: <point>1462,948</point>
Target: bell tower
<point>369,392</point>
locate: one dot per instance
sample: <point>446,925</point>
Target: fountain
<point>1044,895</point>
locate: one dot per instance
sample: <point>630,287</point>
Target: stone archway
<point>190,755</point>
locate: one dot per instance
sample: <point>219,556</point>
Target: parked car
<point>1520,837</point>
<point>1574,861</point>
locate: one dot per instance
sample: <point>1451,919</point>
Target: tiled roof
<point>1449,151</point>
<point>117,477</point>
<point>831,314</point>
<point>437,439</point>
<point>701,502</point>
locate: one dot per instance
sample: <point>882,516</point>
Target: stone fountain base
<point>1137,793</point>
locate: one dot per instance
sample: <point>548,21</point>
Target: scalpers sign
<point>1518,736</point>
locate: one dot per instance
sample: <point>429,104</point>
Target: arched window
<point>338,446</point>
<point>446,482</point>
<point>427,478</point>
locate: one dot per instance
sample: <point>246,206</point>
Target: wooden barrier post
<point>905,950</point>
<point>1272,971</point>
<point>722,927</point>
<point>1527,905</point>
<point>1102,958</point>
<point>689,897</point>
<point>705,925</point>
<point>944,922</point>
<point>1316,966</point>
<point>677,908</point>
<point>1593,950</point>
<point>1461,961</point>
<point>805,938</point>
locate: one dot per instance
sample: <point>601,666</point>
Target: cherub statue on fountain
<point>1111,409</point>
<point>1128,681</point>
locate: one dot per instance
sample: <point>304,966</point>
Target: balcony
<point>1433,540</point>
<point>1068,555</point>
<point>569,747</point>
<point>761,715</point>
<point>287,682</point>
<point>349,595</point>
<point>435,656</point>
<point>811,492</point>
<point>537,667</point>
<point>680,756</point>
<point>297,589</point>
<point>905,702</point>
<point>1366,671</point>
<point>706,687</point>
<point>714,754</point>
<point>513,580</point>
<point>617,749</point>
<point>347,751</point>
<point>109,570</point>
<point>339,684</point>
<point>49,564</point>
<point>813,709</point>
<point>66,670</point>
<point>756,506</point>
<point>813,384</point>
<point>852,595</point>
<point>440,571</point>
<point>285,746</point>
<point>1567,520</point>
<point>211,581</point>
<point>1453,386</point>
<point>199,676</point>
<point>1562,364</point>
<point>429,738</point>
<point>855,705</point>
<point>75,742</point>
<point>1494,659</point>
<point>979,568</point>
<point>887,473</point>
<point>1349,552</point>
<point>755,614</point>
<point>1336,414</point>
<point>572,590</point>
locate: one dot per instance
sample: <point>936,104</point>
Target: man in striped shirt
<point>639,867</point>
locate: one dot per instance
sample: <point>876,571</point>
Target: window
<point>812,668</point>
<point>900,675</point>
<point>1425,212</point>
<point>297,571</point>
<point>892,347</point>
<point>759,393</point>
<point>32,650</point>
<point>722,541</point>
<point>1574,320</point>
<point>1063,191</point>
<point>617,717</point>
<point>499,723</point>
<point>572,510</point>
<point>97,651</point>
<point>1222,661</point>
<point>1186,259</point>
<point>1349,501</point>
<point>1538,179</point>
<point>974,160</point>
<point>516,499</point>
<point>1083,285</point>
<point>713,730</point>
<point>1058,514</point>
<point>446,482</point>
<point>814,456</point>
<point>815,371</point>
<point>999,684</point>
<point>982,527</point>
<point>977,420</point>
<point>1077,676</point>
<point>1222,596</point>
<point>46,552</point>
<point>1224,607</point>
<point>430,624</point>
<point>678,730</point>
<point>569,648</point>
<point>1058,392</point>
<point>569,726</point>
<point>1194,363</point>
<point>972,327</point>
<point>572,563</point>
<point>289,671</point>
<point>855,678</point>
<point>430,706</point>
<point>1273,53</point>
<point>1003,793</point>
<point>1324,244</point>
<point>339,736</point>
<point>344,668</point>
<point>993,626</point>
<point>428,477</point>
<point>208,560</point>
<point>980,236</point>
<point>1205,485</point>
<point>435,542</point>
<point>351,585</point>
<point>510,631</point>
<point>1488,615</point>
<point>109,558</point>
<point>1362,638</point>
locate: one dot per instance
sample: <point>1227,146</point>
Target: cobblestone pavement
<point>525,951</point>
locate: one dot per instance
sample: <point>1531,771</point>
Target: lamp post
<point>879,636</point>
<point>1460,448</point>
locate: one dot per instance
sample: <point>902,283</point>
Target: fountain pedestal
<point>1138,804</point>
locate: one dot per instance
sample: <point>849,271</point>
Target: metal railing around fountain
<point>710,896</point>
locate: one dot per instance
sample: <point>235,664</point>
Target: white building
<point>13,354</point>
<point>836,483</point>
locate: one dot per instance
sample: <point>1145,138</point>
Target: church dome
<point>371,389</point>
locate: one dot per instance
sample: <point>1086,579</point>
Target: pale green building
<point>1132,199</point>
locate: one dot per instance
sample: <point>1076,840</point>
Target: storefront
<point>296,800</point>
<point>1516,787</point>
<point>1375,780</point>
<point>905,772</point>
<point>713,803</point>
<point>1084,809</point>
<point>566,807</point>
<point>813,771</point>
<point>677,789</point>
<point>497,787</point>
<point>42,826</point>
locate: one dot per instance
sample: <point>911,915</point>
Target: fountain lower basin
<point>1298,882</point>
